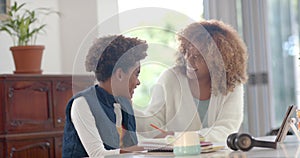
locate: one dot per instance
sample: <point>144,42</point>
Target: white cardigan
<point>172,108</point>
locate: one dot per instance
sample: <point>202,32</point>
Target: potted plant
<point>23,26</point>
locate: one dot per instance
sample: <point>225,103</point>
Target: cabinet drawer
<point>43,148</point>
<point>28,106</point>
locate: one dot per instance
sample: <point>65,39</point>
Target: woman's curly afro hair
<point>224,52</point>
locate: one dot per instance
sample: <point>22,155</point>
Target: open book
<point>158,144</point>
<point>166,145</point>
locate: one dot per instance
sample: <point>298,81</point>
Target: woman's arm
<point>228,119</point>
<point>153,114</point>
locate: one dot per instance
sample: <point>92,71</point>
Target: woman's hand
<point>164,134</point>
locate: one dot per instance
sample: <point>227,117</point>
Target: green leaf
<point>23,24</point>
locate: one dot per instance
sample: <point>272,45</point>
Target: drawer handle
<point>43,145</point>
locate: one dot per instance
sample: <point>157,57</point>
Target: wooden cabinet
<point>28,106</point>
<point>32,113</point>
<point>58,146</point>
<point>31,148</point>
<point>1,148</point>
<point>62,92</point>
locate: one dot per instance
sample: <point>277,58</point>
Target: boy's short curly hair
<point>112,52</point>
<point>224,52</point>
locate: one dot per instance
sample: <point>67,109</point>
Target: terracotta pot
<point>28,59</point>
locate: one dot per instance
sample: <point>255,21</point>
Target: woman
<point>204,90</point>
<point>100,120</point>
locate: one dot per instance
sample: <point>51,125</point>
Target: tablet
<point>285,125</point>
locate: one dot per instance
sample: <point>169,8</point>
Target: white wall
<point>51,40</point>
<point>96,20</point>
<point>64,34</point>
<point>77,19</point>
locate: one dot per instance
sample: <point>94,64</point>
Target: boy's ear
<point>119,74</point>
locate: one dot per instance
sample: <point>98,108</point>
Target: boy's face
<point>133,80</point>
<point>125,85</point>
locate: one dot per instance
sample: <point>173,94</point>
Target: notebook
<point>166,145</point>
<point>158,144</point>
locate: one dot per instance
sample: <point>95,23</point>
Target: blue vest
<point>101,105</point>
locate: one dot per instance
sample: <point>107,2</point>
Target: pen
<point>162,131</point>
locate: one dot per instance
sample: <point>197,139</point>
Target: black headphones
<point>245,142</point>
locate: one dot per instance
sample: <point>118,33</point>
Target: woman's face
<point>196,67</point>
